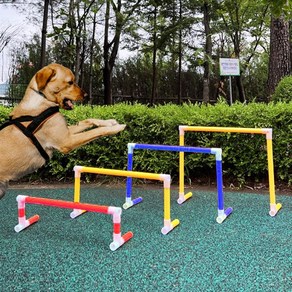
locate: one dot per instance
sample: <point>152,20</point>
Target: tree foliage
<point>173,46</point>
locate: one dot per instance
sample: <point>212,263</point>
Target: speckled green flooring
<point>250,251</point>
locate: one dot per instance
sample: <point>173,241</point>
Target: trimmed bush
<point>244,155</point>
<point>283,91</point>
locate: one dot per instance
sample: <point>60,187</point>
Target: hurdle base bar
<point>129,203</point>
<point>274,208</point>
<point>183,197</point>
<point>26,223</point>
<point>222,215</point>
<point>169,225</point>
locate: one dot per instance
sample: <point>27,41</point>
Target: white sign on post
<point>229,67</point>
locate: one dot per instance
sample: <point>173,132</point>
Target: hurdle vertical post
<point>76,212</point>
<point>182,197</point>
<point>222,214</point>
<point>129,201</point>
<point>168,224</point>
<point>274,207</point>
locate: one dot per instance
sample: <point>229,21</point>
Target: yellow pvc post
<point>77,190</point>
<point>168,224</point>
<point>76,212</point>
<point>182,197</point>
<point>166,203</point>
<point>274,208</point>
<point>271,171</point>
<point>181,164</point>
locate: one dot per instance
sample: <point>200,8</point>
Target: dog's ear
<point>44,76</point>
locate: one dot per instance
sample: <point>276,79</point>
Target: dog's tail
<point>3,188</point>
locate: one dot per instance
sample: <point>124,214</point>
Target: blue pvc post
<point>129,179</point>
<point>220,184</point>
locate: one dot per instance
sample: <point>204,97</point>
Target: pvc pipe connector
<point>182,198</point>
<point>217,152</point>
<point>130,203</point>
<point>274,208</point>
<point>166,178</point>
<point>27,223</point>
<point>77,212</point>
<point>181,130</point>
<point>131,147</point>
<point>115,211</point>
<point>222,215</point>
<point>269,133</point>
<point>123,239</point>
<point>20,227</point>
<point>77,170</point>
<point>169,226</point>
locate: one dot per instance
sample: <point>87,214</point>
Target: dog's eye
<point>70,82</point>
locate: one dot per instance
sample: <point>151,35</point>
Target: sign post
<point>229,67</point>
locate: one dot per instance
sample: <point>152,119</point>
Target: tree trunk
<point>238,79</point>
<point>110,49</point>
<point>44,34</point>
<point>106,71</point>
<point>91,60</point>
<point>208,52</point>
<point>78,45</point>
<point>280,61</point>
<point>107,82</point>
<point>179,94</point>
<point>240,87</point>
<point>154,71</point>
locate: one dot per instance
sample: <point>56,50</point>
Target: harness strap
<point>38,120</point>
<point>34,140</point>
<point>32,127</point>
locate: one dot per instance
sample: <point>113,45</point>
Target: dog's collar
<point>38,92</point>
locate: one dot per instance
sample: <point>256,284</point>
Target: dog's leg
<point>89,123</point>
<point>3,187</point>
<point>74,141</point>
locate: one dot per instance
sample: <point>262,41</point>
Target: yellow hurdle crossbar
<point>274,207</point>
<point>165,178</point>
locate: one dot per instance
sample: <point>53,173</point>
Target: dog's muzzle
<point>67,104</point>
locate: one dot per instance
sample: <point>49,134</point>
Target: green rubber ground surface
<point>250,251</point>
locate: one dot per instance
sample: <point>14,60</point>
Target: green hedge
<point>244,155</point>
<point>283,91</point>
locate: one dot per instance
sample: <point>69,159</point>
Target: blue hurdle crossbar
<point>222,214</point>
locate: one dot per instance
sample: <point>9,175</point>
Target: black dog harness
<point>29,131</point>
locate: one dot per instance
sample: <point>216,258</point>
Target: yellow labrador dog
<point>36,127</point>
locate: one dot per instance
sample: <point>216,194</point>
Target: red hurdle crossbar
<point>118,239</point>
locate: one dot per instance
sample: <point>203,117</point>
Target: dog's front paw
<point>104,123</point>
<point>118,128</point>
<point>113,129</point>
<point>111,122</point>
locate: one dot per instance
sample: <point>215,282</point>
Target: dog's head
<point>58,85</point>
